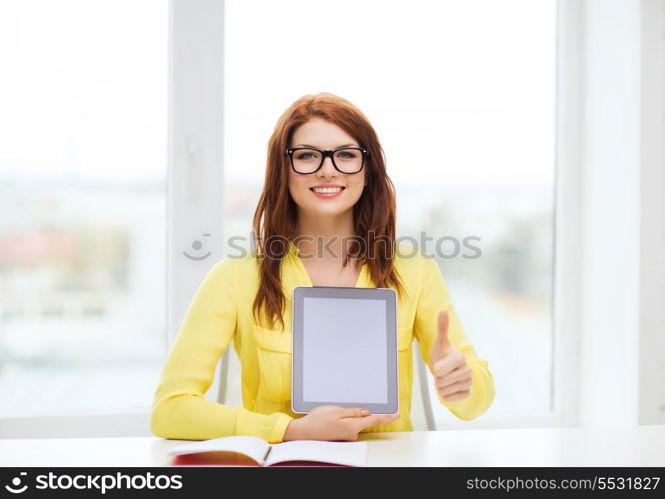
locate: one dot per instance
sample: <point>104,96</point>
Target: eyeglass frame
<point>324,155</point>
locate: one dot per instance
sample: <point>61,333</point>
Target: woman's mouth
<point>327,192</point>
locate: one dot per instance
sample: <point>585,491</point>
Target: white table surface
<point>569,446</point>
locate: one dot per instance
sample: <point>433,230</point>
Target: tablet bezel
<point>300,406</point>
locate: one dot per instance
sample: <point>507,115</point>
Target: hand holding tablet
<point>329,422</point>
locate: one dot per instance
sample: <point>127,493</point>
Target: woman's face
<point>324,135</point>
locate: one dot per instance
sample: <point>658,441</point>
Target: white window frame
<point>622,350</point>
<point>195,200</point>
<point>652,210</point>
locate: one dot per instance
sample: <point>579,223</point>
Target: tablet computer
<point>344,349</point>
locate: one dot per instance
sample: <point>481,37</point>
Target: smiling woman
<point>247,301</point>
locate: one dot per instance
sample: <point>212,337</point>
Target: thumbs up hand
<point>452,375</point>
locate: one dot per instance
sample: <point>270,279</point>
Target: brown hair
<point>276,215</point>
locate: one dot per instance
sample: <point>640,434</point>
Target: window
<point>82,194</point>
<point>462,95</point>
<point>463,105</point>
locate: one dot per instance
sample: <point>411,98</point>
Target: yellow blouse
<point>221,311</point>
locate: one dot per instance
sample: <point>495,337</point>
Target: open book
<point>265,454</point>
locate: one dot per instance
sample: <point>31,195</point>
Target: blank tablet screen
<point>344,345</point>
<point>344,349</point>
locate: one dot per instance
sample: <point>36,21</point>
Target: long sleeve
<point>434,297</point>
<point>180,409</point>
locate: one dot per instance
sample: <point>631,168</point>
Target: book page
<point>253,447</point>
<point>346,453</point>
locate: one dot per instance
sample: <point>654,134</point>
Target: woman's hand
<point>451,372</point>
<point>331,422</point>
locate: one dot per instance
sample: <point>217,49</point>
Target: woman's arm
<point>434,297</point>
<point>180,409</point>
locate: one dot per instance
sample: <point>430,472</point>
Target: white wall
<point>652,206</point>
<point>621,214</point>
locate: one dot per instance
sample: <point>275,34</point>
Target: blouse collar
<point>363,279</point>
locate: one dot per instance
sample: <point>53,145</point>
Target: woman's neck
<point>324,237</point>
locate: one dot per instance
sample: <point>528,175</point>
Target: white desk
<point>637,446</point>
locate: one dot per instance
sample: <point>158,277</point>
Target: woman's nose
<point>327,168</point>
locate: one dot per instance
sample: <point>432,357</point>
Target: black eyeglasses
<point>307,160</point>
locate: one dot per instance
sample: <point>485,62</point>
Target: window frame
<point>651,381</point>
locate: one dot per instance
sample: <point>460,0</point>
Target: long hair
<point>276,214</point>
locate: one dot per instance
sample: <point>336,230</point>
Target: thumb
<point>442,341</point>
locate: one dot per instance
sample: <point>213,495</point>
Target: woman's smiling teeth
<point>324,190</point>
